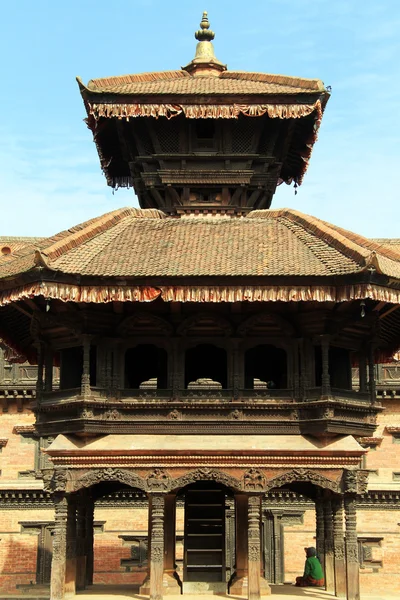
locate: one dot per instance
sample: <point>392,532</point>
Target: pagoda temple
<point>204,341</point>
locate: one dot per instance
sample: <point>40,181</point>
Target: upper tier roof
<point>138,243</point>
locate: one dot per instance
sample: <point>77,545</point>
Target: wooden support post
<point>320,529</point>
<point>157,546</point>
<point>352,565</point>
<point>89,526</point>
<point>326,378</point>
<point>48,362</point>
<point>81,542</point>
<point>371,373</point>
<point>171,582</point>
<point>59,559</point>
<point>254,548</point>
<point>39,381</point>
<point>329,556</point>
<point>70,567</point>
<point>236,370</point>
<point>362,371</point>
<point>85,381</point>
<point>240,581</point>
<point>338,548</point>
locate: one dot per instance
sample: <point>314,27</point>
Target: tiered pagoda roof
<point>205,88</point>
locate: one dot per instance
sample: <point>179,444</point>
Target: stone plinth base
<point>204,587</point>
<point>239,587</point>
<point>171,585</point>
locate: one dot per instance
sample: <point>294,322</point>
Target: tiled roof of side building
<point>9,245</point>
<point>145,243</point>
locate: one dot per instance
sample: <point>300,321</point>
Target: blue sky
<point>50,177</point>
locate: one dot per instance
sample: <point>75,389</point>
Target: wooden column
<point>371,373</point>
<point>325,378</point>
<point>70,567</point>
<point>236,369</point>
<point>177,365</point>
<point>254,548</point>
<point>278,567</point>
<point>171,582</point>
<point>85,381</point>
<point>240,581</point>
<point>329,556</point>
<point>48,377</point>
<point>157,546</point>
<point>81,542</point>
<point>352,565</point>
<point>362,371</point>
<point>89,526</point>
<point>338,548</point>
<point>39,381</point>
<point>320,529</point>
<point>59,559</point>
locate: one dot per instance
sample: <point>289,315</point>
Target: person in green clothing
<point>313,573</point>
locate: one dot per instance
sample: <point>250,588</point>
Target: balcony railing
<point>205,395</point>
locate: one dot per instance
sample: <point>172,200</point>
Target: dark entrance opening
<point>146,362</point>
<point>206,361</point>
<point>204,539</point>
<point>267,364</point>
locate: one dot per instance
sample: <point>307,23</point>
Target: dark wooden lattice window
<point>168,136</point>
<point>243,132</point>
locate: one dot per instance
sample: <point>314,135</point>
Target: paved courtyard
<point>284,592</point>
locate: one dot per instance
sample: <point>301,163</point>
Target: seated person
<point>313,573</point>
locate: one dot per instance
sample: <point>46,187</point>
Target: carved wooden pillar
<point>254,548</point>
<point>39,381</point>
<point>362,370</point>
<point>239,584</point>
<point>89,526</point>
<point>171,583</point>
<point>320,528</point>
<point>48,361</point>
<point>304,356</point>
<point>85,380</point>
<point>59,559</point>
<point>352,565</point>
<point>325,378</point>
<point>371,373</point>
<point>277,527</point>
<point>81,542</point>
<point>338,548</point>
<point>178,367</point>
<point>296,370</point>
<point>70,568</point>
<point>236,369</point>
<point>157,546</point>
<point>329,556</point>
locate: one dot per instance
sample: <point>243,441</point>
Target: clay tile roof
<point>267,243</point>
<point>182,83</point>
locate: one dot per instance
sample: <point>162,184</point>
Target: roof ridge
<point>289,80</point>
<point>135,77</point>
<point>374,245</point>
<point>79,235</point>
<point>332,236</point>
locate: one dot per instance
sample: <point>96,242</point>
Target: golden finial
<point>205,34</point>
<point>205,62</point>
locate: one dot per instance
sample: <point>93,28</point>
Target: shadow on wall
<point>18,563</point>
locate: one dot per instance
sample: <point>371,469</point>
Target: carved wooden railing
<point>353,395</point>
<point>60,395</point>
